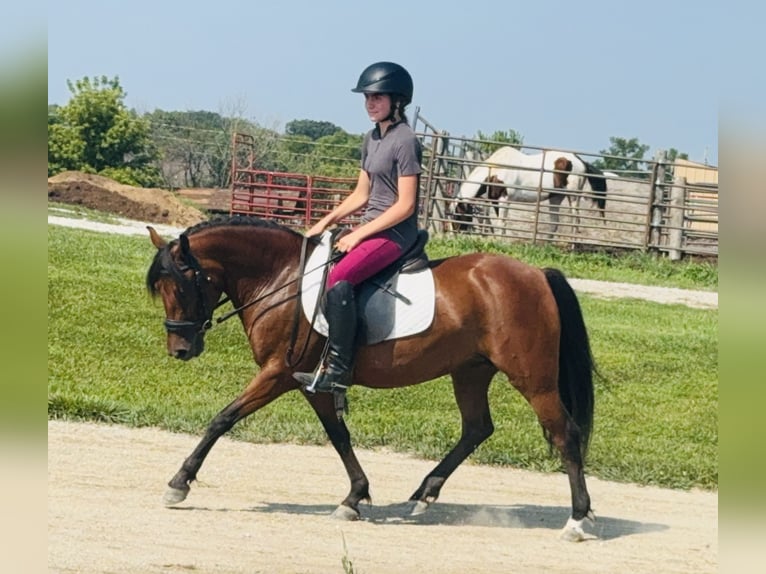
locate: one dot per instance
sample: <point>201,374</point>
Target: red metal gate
<point>293,199</point>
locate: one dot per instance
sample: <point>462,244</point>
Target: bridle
<point>173,326</point>
<point>201,326</point>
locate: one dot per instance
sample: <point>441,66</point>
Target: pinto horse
<point>510,175</point>
<point>492,313</point>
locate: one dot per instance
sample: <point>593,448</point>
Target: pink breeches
<point>365,260</point>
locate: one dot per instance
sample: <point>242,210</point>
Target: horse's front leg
<point>502,216</point>
<point>336,429</point>
<point>264,388</point>
<point>555,200</point>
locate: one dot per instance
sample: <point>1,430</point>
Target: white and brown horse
<point>510,175</point>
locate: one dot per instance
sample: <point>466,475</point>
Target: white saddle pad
<point>413,309</point>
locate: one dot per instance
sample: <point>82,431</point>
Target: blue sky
<point>564,74</point>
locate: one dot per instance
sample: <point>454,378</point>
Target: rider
<point>387,187</point>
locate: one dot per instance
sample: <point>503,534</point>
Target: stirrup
<point>308,381</point>
<point>311,382</point>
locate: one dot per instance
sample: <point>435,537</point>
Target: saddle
<point>396,302</point>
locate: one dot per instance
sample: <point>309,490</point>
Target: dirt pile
<point>103,194</point>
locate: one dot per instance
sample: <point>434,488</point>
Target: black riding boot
<point>335,372</point>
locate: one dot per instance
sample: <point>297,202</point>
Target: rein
<point>300,276</point>
<point>202,326</point>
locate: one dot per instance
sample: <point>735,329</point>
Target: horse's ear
<point>158,241</point>
<point>184,241</point>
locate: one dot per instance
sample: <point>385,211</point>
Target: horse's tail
<point>597,183</point>
<point>576,364</point>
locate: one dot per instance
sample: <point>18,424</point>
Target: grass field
<point>656,410</point>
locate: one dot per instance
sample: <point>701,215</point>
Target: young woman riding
<point>387,188</point>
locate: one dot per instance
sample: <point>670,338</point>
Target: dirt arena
<point>265,508</point>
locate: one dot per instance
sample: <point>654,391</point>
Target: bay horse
<point>492,313</point>
<point>510,175</point>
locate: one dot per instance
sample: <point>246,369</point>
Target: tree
<point>335,155</point>
<point>65,147</point>
<point>673,154</point>
<point>96,133</point>
<point>188,144</point>
<point>338,155</point>
<point>311,129</point>
<point>624,155</point>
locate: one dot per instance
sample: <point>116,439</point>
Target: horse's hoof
<point>345,513</point>
<point>573,531</point>
<point>174,496</point>
<point>419,508</point>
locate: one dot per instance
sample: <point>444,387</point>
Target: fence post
<point>536,227</point>
<point>436,172</point>
<point>309,195</point>
<point>676,219</point>
<point>656,200</point>
<point>415,118</point>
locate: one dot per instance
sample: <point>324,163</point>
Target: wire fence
<point>658,206</point>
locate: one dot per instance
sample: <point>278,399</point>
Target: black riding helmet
<point>386,78</point>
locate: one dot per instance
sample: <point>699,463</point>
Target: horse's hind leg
<point>470,384</point>
<point>261,391</point>
<point>336,429</point>
<point>563,434</point>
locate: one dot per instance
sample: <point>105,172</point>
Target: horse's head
<point>563,167</point>
<point>461,213</point>
<point>189,294</point>
<point>493,187</point>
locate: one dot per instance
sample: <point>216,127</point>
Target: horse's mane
<point>163,264</point>
<point>231,220</point>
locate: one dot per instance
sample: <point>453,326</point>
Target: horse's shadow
<point>514,516</point>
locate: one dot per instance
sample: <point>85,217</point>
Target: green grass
<point>656,411</point>
<point>629,267</point>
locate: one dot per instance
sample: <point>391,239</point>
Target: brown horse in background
<point>493,313</point>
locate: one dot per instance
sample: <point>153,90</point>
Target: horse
<point>527,178</point>
<point>492,314</point>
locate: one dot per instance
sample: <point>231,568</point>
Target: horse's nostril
<point>180,354</point>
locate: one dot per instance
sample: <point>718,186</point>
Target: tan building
<point>702,192</point>
<point>696,173</point>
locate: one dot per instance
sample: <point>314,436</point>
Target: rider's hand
<point>317,229</point>
<point>347,242</point>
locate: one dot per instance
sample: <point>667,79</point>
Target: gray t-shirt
<point>384,159</point>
